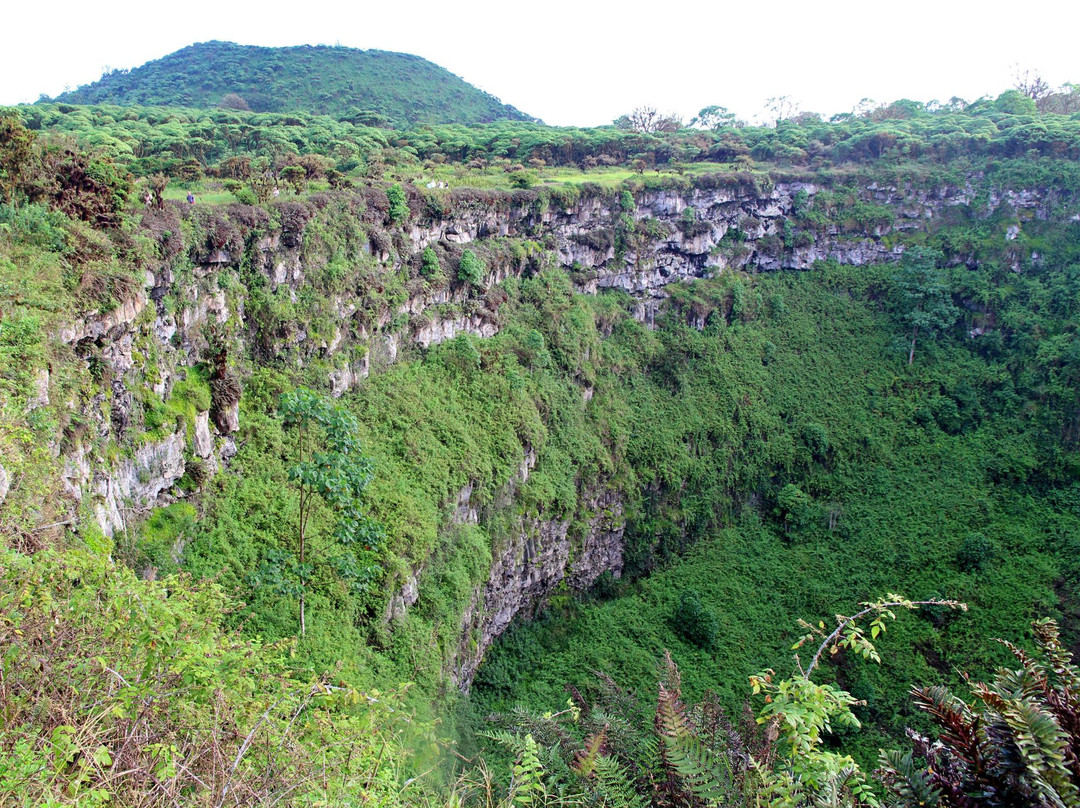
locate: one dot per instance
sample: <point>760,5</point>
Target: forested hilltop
<point>511,465</point>
<point>378,88</point>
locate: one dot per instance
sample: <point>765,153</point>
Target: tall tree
<point>330,467</point>
<point>926,304</point>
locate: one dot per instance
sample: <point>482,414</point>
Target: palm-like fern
<point>1018,745</point>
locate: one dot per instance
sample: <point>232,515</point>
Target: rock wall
<point>530,563</point>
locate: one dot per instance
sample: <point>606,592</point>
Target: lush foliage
<point>374,87</point>
<point>777,444</point>
<point>122,692</point>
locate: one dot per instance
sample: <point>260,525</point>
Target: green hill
<point>365,86</point>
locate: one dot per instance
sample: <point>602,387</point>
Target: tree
<point>295,176</point>
<point>338,476</point>
<point>926,304</point>
<point>714,117</point>
<point>647,120</point>
<point>781,108</point>
<point>234,101</point>
<point>1030,82</point>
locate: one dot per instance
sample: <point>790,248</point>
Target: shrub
<point>816,438</point>
<point>399,207</point>
<point>693,622</point>
<point>795,506</point>
<point>523,179</point>
<point>975,551</point>
<point>429,264</point>
<point>471,269</point>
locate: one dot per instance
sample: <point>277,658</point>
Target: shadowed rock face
<point>533,559</point>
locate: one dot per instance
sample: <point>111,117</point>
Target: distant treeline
<point>185,143</point>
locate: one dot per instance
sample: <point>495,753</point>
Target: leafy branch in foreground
<point>803,711</point>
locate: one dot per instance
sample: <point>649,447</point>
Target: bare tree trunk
<point>911,353</point>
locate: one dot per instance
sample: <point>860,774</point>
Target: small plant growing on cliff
<point>399,207</point>
<point>471,269</point>
<point>429,264</point>
<point>338,475</point>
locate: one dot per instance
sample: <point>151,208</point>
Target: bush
<point>399,208</point>
<point>795,506</point>
<point>243,194</point>
<point>816,438</point>
<point>522,179</point>
<point>106,646</point>
<point>693,622</point>
<point>471,269</point>
<point>974,553</point>
<point>429,264</point>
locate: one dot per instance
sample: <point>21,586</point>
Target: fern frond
<point>616,700</point>
<point>959,725</point>
<point>1042,747</point>
<point>614,785</point>
<point>670,676</point>
<point>671,720</point>
<point>527,784</point>
<point>706,775</point>
<point>585,758</point>
<point>1047,638</point>
<point>913,786</point>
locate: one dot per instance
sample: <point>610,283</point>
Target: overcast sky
<point>577,62</point>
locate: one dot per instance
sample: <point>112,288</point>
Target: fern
<point>1017,745</point>
<point>912,785</point>
<point>527,787</point>
<point>1041,746</point>
<point>671,720</point>
<point>585,759</point>
<point>614,785</point>
<point>707,776</point>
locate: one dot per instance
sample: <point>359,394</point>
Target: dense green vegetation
<point>841,473</point>
<point>781,446</point>
<point>188,143</point>
<point>372,87</point>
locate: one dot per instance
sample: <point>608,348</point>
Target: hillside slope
<point>364,85</point>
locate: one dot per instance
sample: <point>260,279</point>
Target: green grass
<point>175,193</point>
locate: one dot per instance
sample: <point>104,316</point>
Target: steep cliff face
<point>531,560</point>
<point>237,287</point>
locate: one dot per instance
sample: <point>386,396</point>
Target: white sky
<point>579,62</point>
